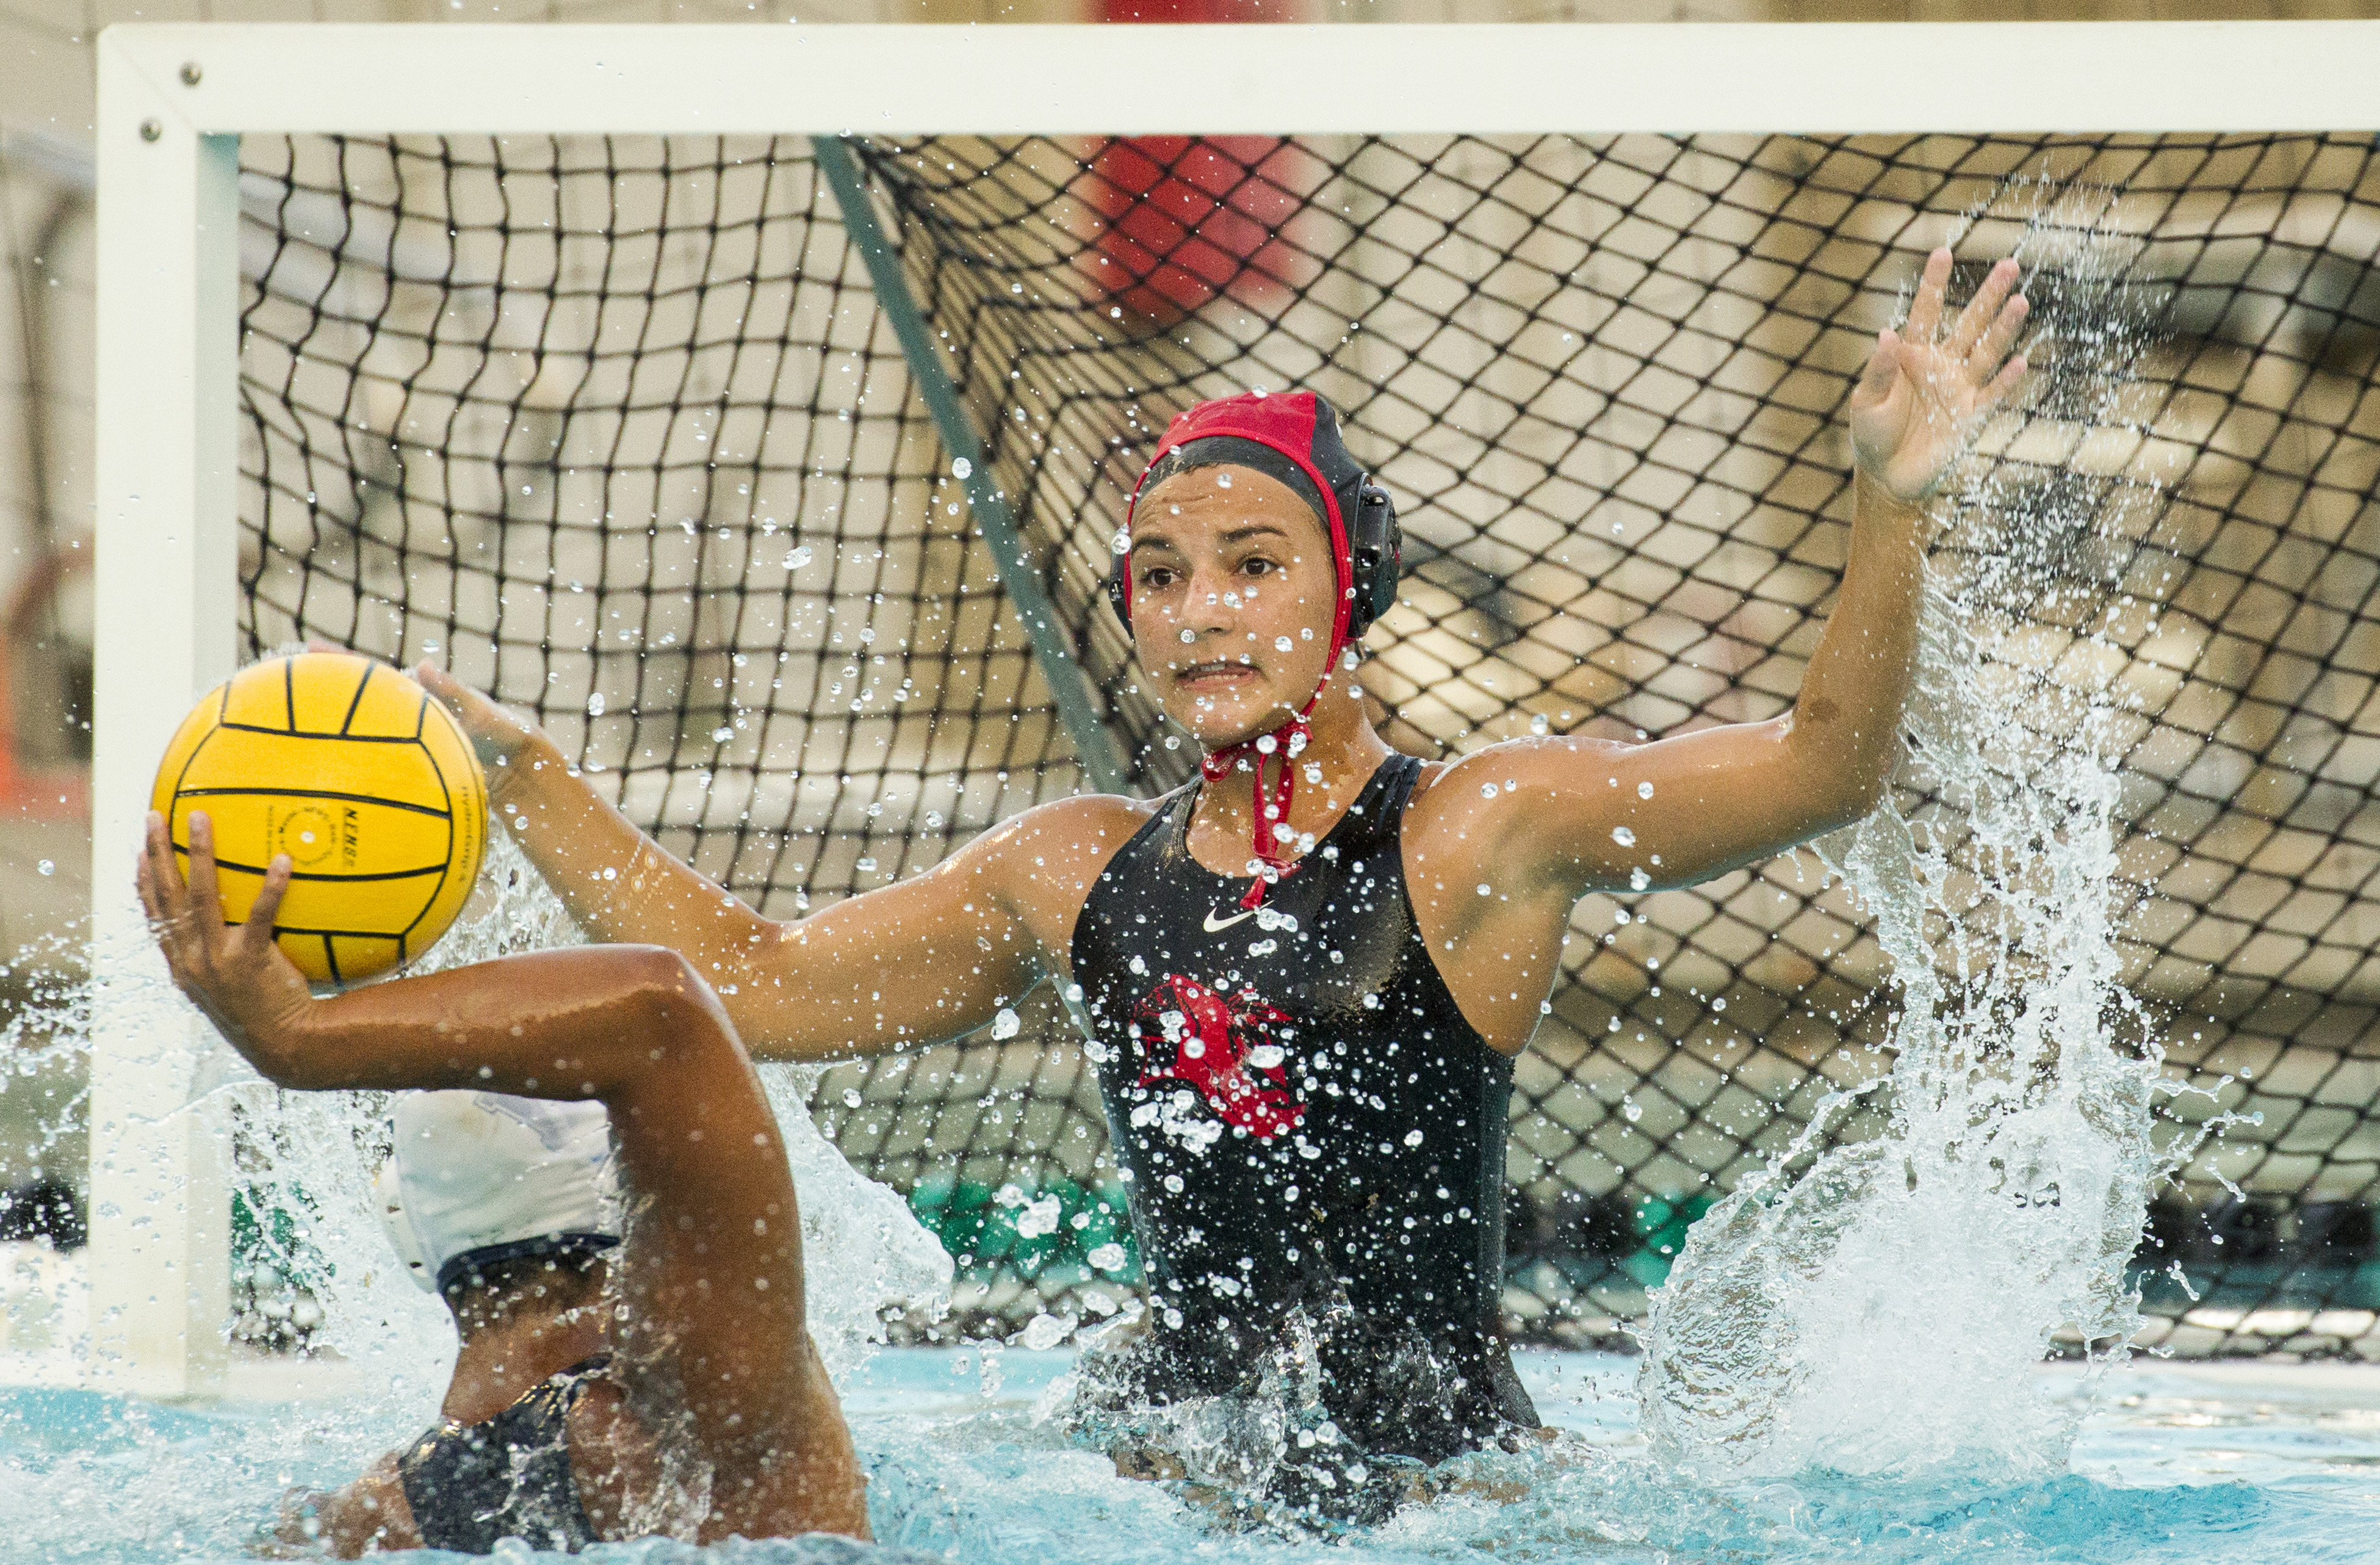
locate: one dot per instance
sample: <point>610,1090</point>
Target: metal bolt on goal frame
<point>190,73</point>
<point>150,129</point>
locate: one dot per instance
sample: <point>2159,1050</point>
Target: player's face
<point>1233,590</point>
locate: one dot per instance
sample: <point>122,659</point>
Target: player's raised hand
<point>234,973</point>
<point>1926,387</point>
<point>497,732</point>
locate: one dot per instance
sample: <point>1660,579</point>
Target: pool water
<point>2192,1464</point>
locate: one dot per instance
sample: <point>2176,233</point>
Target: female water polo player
<point>668,1384</point>
<point>1308,972</point>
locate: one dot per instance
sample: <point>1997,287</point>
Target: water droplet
<point>961,467</point>
<point>1486,889</point>
<point>1121,544</point>
<point>1006,1025</point>
<point>1107,1257</point>
<point>798,556</point>
<point>1487,790</point>
<point>1282,644</point>
<point>1045,1330</point>
<point>46,868</point>
<point>1189,635</point>
<point>865,864</point>
<point>1638,880</point>
<point>595,704</point>
<point>1643,790</point>
<point>1038,1219</point>
<point>851,1097</point>
<point>1223,480</point>
<point>1623,836</point>
<point>721,733</point>
<point>1413,1138</point>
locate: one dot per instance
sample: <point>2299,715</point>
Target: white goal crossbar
<point>174,101</point>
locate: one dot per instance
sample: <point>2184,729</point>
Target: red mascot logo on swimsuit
<point>1223,1046</point>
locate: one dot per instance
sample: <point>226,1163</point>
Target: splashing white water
<point>1876,1307</point>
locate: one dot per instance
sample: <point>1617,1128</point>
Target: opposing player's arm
<point>711,1267</point>
<point>1577,815</point>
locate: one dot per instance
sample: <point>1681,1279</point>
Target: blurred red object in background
<point>1186,220</point>
<point>1182,221</point>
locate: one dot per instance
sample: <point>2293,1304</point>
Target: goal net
<point>620,429</point>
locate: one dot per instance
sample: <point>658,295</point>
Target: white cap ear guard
<point>476,1178</point>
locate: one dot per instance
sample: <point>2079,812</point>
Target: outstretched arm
<point>712,1268</point>
<point>616,881</point>
<point>923,960</point>
<point>1587,814</point>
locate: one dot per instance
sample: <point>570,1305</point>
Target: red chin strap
<point>1270,806</point>
<point>1285,422</point>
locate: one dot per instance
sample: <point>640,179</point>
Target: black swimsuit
<point>1308,1125</point>
<point>507,1478</point>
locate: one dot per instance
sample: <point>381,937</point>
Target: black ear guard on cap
<point>1375,549</point>
<point>1376,554</point>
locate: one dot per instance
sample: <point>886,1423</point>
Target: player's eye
<point>1257,564</point>
<point>1157,577</point>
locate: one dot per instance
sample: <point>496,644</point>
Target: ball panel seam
<point>315,794</point>
<point>356,702</point>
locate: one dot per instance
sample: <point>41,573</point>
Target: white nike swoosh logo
<point>1214,924</point>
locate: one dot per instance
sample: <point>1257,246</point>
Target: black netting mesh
<point>616,428</point>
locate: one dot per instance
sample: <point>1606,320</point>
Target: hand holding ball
<point>366,782</point>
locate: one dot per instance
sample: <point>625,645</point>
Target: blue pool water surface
<point>2193,1465</point>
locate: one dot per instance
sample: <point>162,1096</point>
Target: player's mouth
<point>1216,675</point>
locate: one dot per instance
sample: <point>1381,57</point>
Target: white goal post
<point>174,101</point>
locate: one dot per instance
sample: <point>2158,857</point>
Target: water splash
<point>1876,1307</point>
<point>1264,1455</point>
<point>45,1108</point>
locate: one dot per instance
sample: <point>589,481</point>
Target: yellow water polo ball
<point>357,774</point>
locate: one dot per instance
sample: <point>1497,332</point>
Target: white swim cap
<point>478,1178</point>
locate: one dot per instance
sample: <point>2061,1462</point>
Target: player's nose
<point>1213,605</point>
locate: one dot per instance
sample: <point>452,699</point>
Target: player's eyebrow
<point>1236,535</point>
